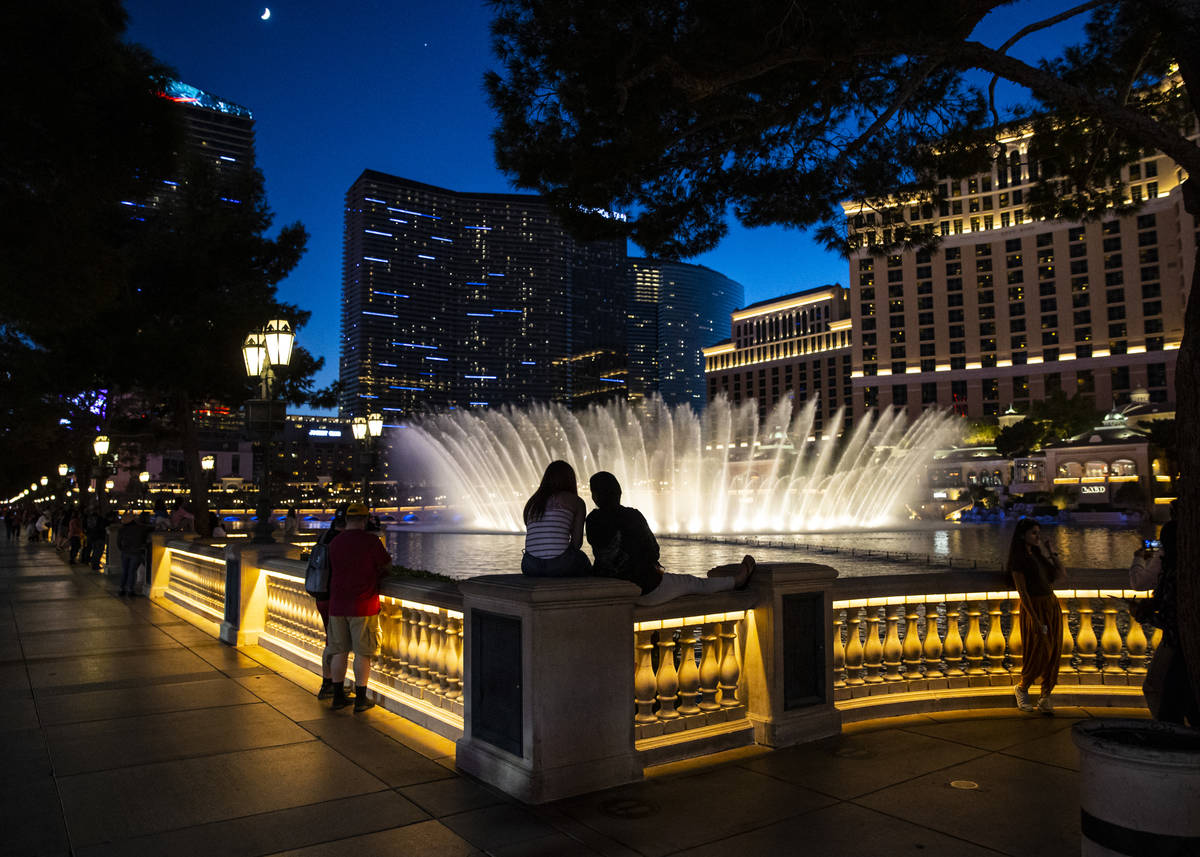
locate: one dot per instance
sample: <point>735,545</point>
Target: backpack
<point>316,576</point>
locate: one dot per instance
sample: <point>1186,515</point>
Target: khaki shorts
<point>359,634</point>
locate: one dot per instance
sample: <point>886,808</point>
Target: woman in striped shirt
<point>554,526</point>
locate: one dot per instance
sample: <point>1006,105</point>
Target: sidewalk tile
<point>428,839</point>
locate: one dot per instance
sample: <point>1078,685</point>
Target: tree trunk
<point>1180,20</point>
<point>1187,396</point>
<point>197,478</point>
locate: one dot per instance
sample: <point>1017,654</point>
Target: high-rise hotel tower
<point>466,299</point>
<point>1008,309</point>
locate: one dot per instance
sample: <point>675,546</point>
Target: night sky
<point>338,87</point>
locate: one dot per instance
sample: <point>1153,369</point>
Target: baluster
<point>453,657</point>
<point>1065,666</point>
<point>854,648</point>
<point>710,667</point>
<point>892,651</point>
<point>414,645</point>
<point>667,679</point>
<point>952,652</point>
<point>839,650</point>
<point>1137,645</point>
<point>912,642</point>
<point>1110,640</point>
<point>1086,643</point>
<point>1016,647</point>
<point>402,641</point>
<point>873,650</point>
<point>994,646</point>
<point>382,665</point>
<point>689,672</point>
<point>932,648</point>
<point>974,644</point>
<point>730,673</point>
<point>423,650</point>
<point>437,646</point>
<point>644,685</point>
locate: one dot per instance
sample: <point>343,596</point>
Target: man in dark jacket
<point>131,539</point>
<point>624,547</point>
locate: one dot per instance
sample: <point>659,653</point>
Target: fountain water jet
<point>716,472</point>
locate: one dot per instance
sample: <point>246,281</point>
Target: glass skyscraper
<point>675,310</point>
<point>466,299</point>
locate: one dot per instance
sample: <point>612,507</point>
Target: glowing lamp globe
<point>207,462</point>
<point>254,354</point>
<point>45,480</point>
<point>375,424</point>
<point>144,477</point>
<point>62,470</point>
<point>278,339</point>
<point>358,426</point>
<point>100,445</point>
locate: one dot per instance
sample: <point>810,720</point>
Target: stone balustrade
<point>552,687</point>
<point>197,579</point>
<point>911,643</point>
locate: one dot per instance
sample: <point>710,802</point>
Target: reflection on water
<point>854,554</point>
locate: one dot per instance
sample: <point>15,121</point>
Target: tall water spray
<point>718,472</point>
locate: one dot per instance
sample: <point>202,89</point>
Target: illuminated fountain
<point>716,472</point>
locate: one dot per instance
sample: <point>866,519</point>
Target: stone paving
<point>127,731</point>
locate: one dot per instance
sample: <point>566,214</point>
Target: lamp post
<point>100,447</point>
<point>263,351</point>
<point>367,429</point>
<point>144,481</point>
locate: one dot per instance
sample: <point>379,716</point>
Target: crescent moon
<point>266,13</point>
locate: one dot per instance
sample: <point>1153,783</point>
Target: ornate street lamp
<point>207,463</point>
<point>367,429</point>
<point>44,481</point>
<point>62,470</point>
<point>262,351</point>
<point>100,447</point>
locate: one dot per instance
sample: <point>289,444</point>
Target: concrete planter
<point>1139,787</point>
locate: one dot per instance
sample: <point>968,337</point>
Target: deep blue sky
<point>339,87</point>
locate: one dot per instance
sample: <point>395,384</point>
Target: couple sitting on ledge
<point>620,538</point>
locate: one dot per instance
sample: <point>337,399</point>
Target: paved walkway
<point>126,731</point>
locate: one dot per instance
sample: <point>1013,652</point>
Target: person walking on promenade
<point>291,524</point>
<point>336,525</point>
<point>1035,567</point>
<point>358,562</point>
<point>625,547</point>
<point>10,523</point>
<point>97,538</point>
<point>554,518</point>
<point>131,541</point>
<point>74,535</point>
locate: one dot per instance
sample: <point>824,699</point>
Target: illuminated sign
<point>1093,489</point>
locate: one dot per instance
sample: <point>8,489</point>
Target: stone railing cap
<point>440,593</point>
<point>549,590</point>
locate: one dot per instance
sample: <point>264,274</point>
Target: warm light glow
<point>375,424</point>
<point>100,444</point>
<point>780,306</point>
<point>254,354</point>
<point>358,426</point>
<point>45,480</point>
<point>62,470</point>
<point>208,462</point>
<point>109,485</point>
<point>279,338</point>
<point>144,477</point>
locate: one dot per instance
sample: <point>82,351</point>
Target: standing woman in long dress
<point>1035,567</point>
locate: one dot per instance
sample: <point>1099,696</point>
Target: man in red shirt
<point>357,562</point>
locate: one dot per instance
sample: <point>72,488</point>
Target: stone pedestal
<point>549,685</point>
<point>789,660</point>
<point>246,591</point>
